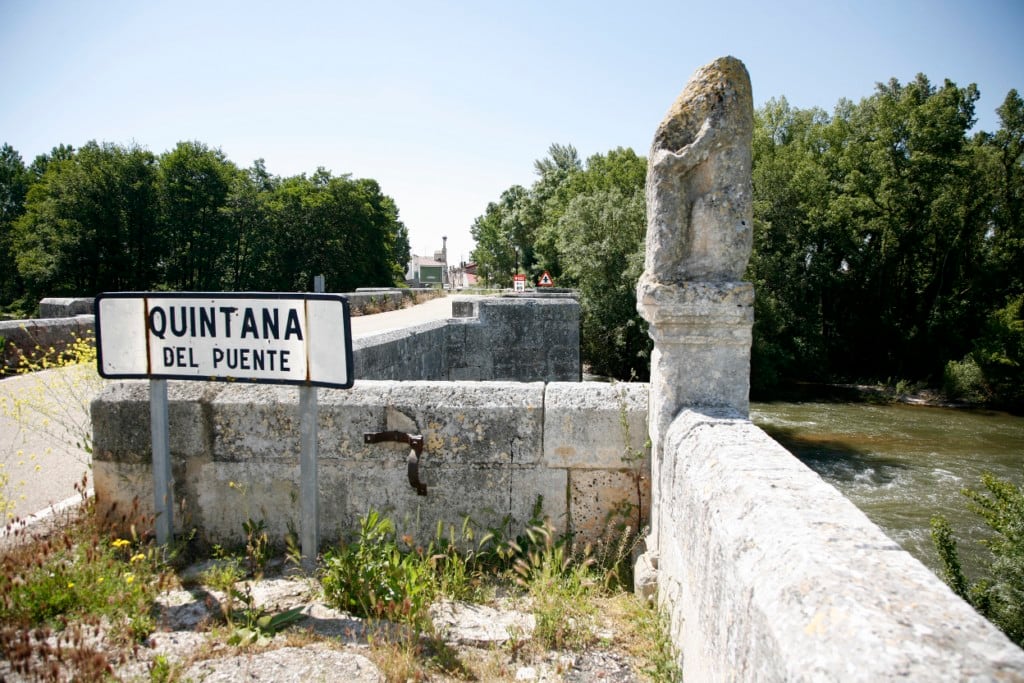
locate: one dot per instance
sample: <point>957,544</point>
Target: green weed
<point>459,565</point>
<point>257,546</point>
<point>54,588</point>
<point>252,625</point>
<point>999,596</point>
<point>560,586</point>
<point>373,578</point>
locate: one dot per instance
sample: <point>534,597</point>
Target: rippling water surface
<point>902,464</point>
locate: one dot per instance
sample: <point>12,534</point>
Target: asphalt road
<point>435,309</point>
<point>41,444</point>
<point>44,424</point>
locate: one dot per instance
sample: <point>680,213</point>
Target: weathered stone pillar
<point>699,232</point>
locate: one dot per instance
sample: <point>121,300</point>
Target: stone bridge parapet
<point>492,450</point>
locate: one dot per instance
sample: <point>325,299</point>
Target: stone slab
<point>288,665</point>
<point>603,501</point>
<point>121,420</point>
<point>770,574</point>
<point>596,425</point>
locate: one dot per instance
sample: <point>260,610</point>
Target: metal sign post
<point>162,493</point>
<point>309,487</point>
<point>309,470</point>
<point>300,339</point>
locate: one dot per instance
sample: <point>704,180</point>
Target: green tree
<point>869,241</point>
<point>88,224</point>
<point>797,261</point>
<point>504,236</point>
<point>585,225</point>
<point>601,243</point>
<point>1005,174</point>
<point>344,229</point>
<point>250,233</point>
<point>195,229</point>
<point>913,202</point>
<point>401,251</point>
<point>14,182</point>
<point>999,354</point>
<point>39,165</point>
<point>551,195</point>
<point>599,239</point>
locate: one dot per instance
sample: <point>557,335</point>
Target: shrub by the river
<point>999,596</point>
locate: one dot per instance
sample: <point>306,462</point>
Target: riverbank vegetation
<point>107,217</point>
<point>80,601</point>
<point>888,244</point>
<point>999,594</point>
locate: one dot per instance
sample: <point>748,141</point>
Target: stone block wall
<point>66,307</point>
<point>492,450</point>
<point>367,300</point>
<point>414,353</point>
<point>21,337</point>
<point>523,339</point>
<point>770,574</point>
<point>515,338</point>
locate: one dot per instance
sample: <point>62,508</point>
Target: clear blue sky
<point>448,104</point>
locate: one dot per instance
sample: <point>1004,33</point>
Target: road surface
<point>435,309</point>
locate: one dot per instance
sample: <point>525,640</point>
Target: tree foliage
<point>88,223</point>
<point>600,244</point>
<point>885,235</point>
<point>194,230</point>
<point>106,218</point>
<point>888,242</point>
<point>998,596</point>
<point>14,182</point>
<point>584,224</point>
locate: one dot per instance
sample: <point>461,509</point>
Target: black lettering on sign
<point>271,324</point>
<point>201,321</point>
<point>273,360</point>
<point>227,311</point>
<point>157,322</point>
<point>249,324</point>
<point>207,324</point>
<point>179,357</point>
<point>179,323</point>
<point>293,327</point>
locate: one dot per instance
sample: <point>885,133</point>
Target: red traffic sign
<point>545,280</point>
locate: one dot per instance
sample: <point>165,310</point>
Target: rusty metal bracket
<point>412,462</point>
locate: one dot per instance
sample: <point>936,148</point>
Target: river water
<point>903,464</point>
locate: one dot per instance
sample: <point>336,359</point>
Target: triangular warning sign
<point>545,280</point>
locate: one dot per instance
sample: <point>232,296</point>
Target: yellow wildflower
<point>121,542</point>
<point>138,557</point>
<point>129,577</point>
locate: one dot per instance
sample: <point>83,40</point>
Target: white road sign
<point>259,337</point>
